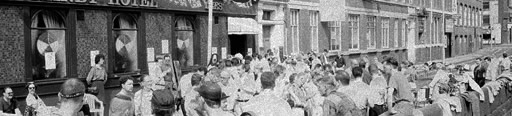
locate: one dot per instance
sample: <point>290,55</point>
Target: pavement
<point>496,50</point>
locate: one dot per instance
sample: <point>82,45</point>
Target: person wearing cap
<point>122,103</point>
<point>212,95</point>
<point>8,105</point>
<point>142,100</point>
<point>266,103</point>
<point>71,97</point>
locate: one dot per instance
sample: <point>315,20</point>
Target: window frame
<point>141,43</point>
<point>314,30</point>
<point>385,32</point>
<point>354,27</point>
<point>395,32</point>
<point>65,15</point>
<point>335,34</point>
<point>294,26</point>
<point>371,35</point>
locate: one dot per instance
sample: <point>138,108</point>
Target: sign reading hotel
<point>227,6</point>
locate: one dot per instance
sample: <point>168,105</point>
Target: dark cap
<point>211,91</point>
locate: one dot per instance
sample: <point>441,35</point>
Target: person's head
<point>212,94</point>
<point>505,55</point>
<point>390,63</point>
<point>354,63</point>
<point>268,80</point>
<point>72,94</point>
<point>201,70</point>
<point>196,79</point>
<point>340,62</point>
<point>325,85</point>
<point>99,59</point>
<point>478,61</point>
<point>31,87</point>
<point>279,69</point>
<point>146,82</point>
<point>362,63</point>
<point>8,93</point>
<point>225,76</point>
<point>327,68</point>
<point>373,69</point>
<point>342,77</point>
<point>126,83</point>
<point>357,72</point>
<point>250,113</point>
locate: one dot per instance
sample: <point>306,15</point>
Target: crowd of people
<point>266,85</point>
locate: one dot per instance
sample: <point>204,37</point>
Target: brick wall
<point>158,28</point>
<point>91,34</point>
<point>12,51</point>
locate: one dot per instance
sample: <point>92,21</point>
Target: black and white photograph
<point>256,57</point>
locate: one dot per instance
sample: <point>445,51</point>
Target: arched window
<point>48,38</point>
<point>185,40</point>
<point>124,33</point>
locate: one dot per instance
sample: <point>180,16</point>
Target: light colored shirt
<point>186,84</point>
<point>142,103</point>
<point>379,85</point>
<point>267,104</point>
<point>359,92</point>
<point>32,101</point>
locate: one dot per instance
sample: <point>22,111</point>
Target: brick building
<point>467,28</point>
<point>302,26</point>
<point>50,41</point>
<point>497,21</point>
<point>372,28</point>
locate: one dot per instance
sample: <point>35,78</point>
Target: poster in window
<point>224,52</point>
<point>93,56</point>
<point>165,46</point>
<point>151,54</point>
<point>214,50</point>
<point>49,58</point>
<point>249,51</point>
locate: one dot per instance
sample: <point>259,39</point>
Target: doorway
<point>238,44</point>
<point>448,49</point>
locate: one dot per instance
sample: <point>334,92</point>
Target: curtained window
<point>185,41</point>
<point>125,34</point>
<point>48,32</point>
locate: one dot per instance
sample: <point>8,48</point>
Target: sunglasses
<point>32,88</point>
<point>10,93</point>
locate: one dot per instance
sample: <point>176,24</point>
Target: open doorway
<point>238,44</point>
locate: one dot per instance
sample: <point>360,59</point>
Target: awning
<point>241,26</point>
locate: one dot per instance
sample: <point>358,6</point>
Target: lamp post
<point>210,26</point>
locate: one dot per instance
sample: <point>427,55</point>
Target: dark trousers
<point>377,110</point>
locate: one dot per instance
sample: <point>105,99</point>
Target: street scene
<point>256,57</point>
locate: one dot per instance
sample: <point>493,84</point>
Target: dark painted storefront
<point>33,31</point>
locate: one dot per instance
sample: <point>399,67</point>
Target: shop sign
<point>247,7</point>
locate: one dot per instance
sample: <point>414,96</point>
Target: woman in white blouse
<point>33,100</point>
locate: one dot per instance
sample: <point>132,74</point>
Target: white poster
<point>165,46</point>
<point>49,59</point>
<point>224,53</point>
<point>249,51</point>
<point>214,50</point>
<point>151,54</point>
<point>93,56</point>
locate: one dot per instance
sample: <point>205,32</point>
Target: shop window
<point>48,38</point>
<point>335,35</point>
<point>124,32</point>
<point>354,32</point>
<point>185,38</point>
<point>370,32</point>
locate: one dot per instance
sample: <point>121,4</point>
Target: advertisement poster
<point>249,51</point>
<point>165,46</point>
<point>49,59</point>
<point>151,54</point>
<point>224,53</point>
<point>214,50</point>
<point>93,55</point>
